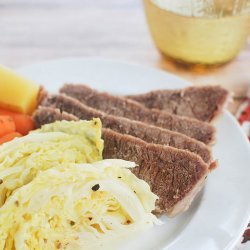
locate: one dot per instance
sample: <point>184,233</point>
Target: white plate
<point>219,214</point>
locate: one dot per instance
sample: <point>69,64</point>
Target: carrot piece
<point>24,123</point>
<point>6,112</point>
<point>9,137</point>
<point>7,125</point>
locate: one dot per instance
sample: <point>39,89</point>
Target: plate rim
<point>102,59</point>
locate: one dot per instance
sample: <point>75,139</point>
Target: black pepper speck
<point>95,187</point>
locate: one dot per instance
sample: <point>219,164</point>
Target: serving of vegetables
<point>18,100</point>
<point>56,192</point>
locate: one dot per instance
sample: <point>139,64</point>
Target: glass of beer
<point>199,32</point>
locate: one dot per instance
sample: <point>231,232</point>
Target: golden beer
<point>202,34</point>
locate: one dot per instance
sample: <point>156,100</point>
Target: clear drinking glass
<point>206,32</point>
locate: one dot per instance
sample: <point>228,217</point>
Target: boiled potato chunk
<point>16,92</point>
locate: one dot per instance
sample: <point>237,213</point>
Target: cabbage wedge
<point>54,144</point>
<point>77,206</point>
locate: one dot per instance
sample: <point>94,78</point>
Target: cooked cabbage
<point>58,143</point>
<point>77,206</point>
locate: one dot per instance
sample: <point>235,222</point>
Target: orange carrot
<point>24,123</point>
<point>7,125</point>
<point>9,137</point>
